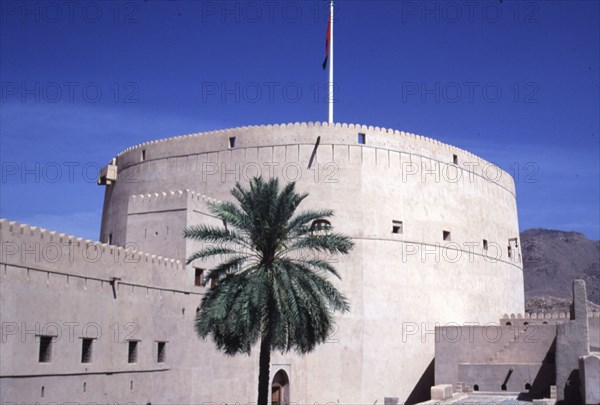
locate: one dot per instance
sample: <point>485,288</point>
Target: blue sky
<point>514,82</point>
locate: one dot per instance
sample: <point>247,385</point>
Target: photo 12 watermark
<point>70,11</point>
<point>70,92</point>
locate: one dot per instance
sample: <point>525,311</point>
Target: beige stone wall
<point>399,285</point>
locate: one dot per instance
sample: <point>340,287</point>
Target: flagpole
<point>331,63</point>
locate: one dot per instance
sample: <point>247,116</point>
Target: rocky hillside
<point>553,259</point>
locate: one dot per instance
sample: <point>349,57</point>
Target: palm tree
<point>270,285</point>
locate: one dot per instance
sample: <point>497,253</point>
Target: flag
<point>327,39</point>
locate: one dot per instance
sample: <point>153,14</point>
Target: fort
<point>437,242</point>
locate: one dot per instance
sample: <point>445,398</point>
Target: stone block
<point>589,372</point>
<point>443,391</point>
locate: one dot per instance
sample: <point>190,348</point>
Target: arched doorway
<point>280,389</point>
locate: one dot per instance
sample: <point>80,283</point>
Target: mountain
<point>553,259</point>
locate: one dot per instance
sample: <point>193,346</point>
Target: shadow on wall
<point>546,376</point>
<point>422,390</point>
<point>572,390</point>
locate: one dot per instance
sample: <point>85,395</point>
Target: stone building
<point>549,358</point>
<point>111,321</point>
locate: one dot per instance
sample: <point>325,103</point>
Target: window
<point>503,387</point>
<point>161,352</point>
<point>213,283</point>
<point>320,227</point>
<point>446,236</point>
<point>132,351</point>
<point>109,239</point>
<point>199,277</point>
<point>143,155</point>
<point>362,138</point>
<point>509,252</point>
<point>45,349</point>
<point>231,142</point>
<point>86,350</point>
<point>397,227</point>
<point>455,159</point>
<point>485,245</point>
<point>476,387</point>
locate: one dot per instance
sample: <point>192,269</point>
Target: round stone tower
<point>435,231</point>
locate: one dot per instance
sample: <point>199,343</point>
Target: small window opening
<point>510,252</point>
<point>508,324</point>
<point>45,349</point>
<point>545,323</point>
<point>161,352</point>
<point>527,386</point>
<point>86,350</point>
<point>231,142</point>
<point>199,277</point>
<point>503,387</point>
<point>43,391</point>
<point>476,387</point>
<point>109,239</point>
<point>362,138</point>
<point>455,159</point>
<point>143,155</point>
<point>132,352</point>
<point>485,244</point>
<point>397,227</point>
<point>131,385</point>
<point>320,227</point>
<point>525,323</point>
<point>446,236</point>
<point>84,386</point>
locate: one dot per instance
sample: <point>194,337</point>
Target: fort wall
<point>436,242</point>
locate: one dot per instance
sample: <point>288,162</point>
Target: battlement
<point>423,140</point>
<point>545,316</point>
<point>166,200</point>
<point>171,195</point>
<point>62,240</point>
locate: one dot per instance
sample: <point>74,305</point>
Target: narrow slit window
<point>86,350</point>
<point>231,142</point>
<point>199,277</point>
<point>446,236</point>
<point>485,245</point>
<point>362,138</point>
<point>143,157</point>
<point>109,239</point>
<point>455,159</point>
<point>45,349</point>
<point>161,352</point>
<point>132,351</point>
<point>397,227</point>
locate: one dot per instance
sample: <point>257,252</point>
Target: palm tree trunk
<point>264,369</point>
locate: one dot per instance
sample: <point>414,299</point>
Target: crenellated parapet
<point>541,318</point>
<point>38,256</point>
<point>166,200</point>
<point>305,133</point>
<point>45,244</point>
